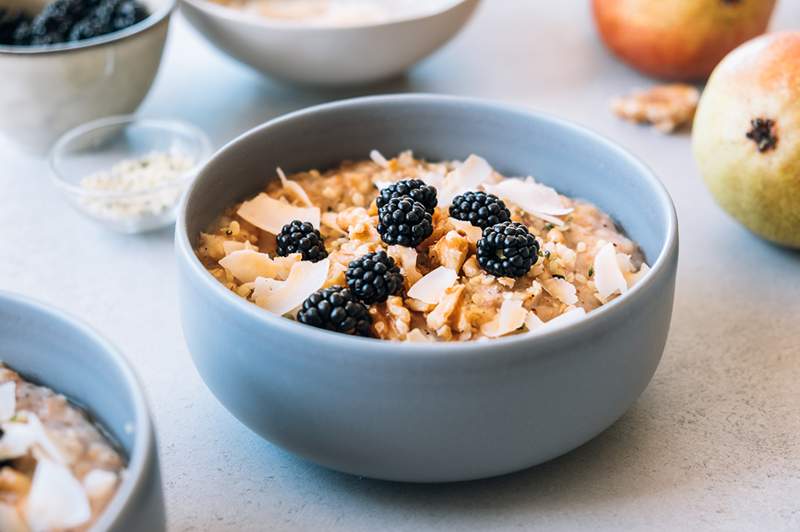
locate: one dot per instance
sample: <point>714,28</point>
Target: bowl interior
<point>571,159</point>
<point>52,350</point>
<point>100,145</point>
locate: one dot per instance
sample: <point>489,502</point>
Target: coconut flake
<point>8,400</point>
<point>608,276</point>
<point>99,483</point>
<point>280,297</point>
<point>471,173</point>
<point>378,158</point>
<point>21,436</point>
<point>634,278</point>
<point>537,199</point>
<point>571,316</point>
<point>561,289</point>
<point>246,265</point>
<point>431,287</point>
<point>295,188</point>
<point>271,215</point>
<point>472,232</point>
<point>510,318</point>
<point>10,520</point>
<point>416,335</point>
<point>533,322</point>
<point>229,246</point>
<point>56,499</point>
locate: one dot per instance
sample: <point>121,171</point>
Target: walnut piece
<point>667,107</point>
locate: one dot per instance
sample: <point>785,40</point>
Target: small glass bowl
<point>99,145</point>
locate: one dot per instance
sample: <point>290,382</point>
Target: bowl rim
<point>659,268</point>
<point>58,179</point>
<point>236,16</point>
<point>144,440</point>
<point>155,18</point>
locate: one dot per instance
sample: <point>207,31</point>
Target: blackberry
<point>405,222</point>
<point>11,23</point>
<point>53,24</point>
<point>507,249</point>
<point>409,188</point>
<point>336,309</point>
<point>301,237</point>
<point>480,209</point>
<point>374,277</point>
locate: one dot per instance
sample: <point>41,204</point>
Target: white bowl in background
<point>328,55</point>
<point>47,90</point>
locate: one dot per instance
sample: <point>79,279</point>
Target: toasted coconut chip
<point>571,316</point>
<point>99,483</point>
<point>608,276</point>
<point>432,286</point>
<point>471,173</point>
<point>378,158</point>
<point>281,297</point>
<point>21,435</point>
<point>625,264</point>
<point>472,232</point>
<point>510,318</point>
<point>295,188</point>
<point>10,520</point>
<point>229,246</point>
<point>271,215</point>
<point>416,335</point>
<point>407,260</point>
<point>534,198</point>
<point>330,220</point>
<point>8,400</point>
<point>56,500</point>
<point>533,322</point>
<point>561,289</point>
<point>634,278</point>
<point>247,265</point>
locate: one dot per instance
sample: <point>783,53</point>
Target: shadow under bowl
<point>439,411</point>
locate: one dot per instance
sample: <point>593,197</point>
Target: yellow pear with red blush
<point>680,40</point>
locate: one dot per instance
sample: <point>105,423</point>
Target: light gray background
<point>713,444</point>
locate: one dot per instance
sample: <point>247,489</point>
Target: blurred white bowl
<point>47,90</point>
<point>325,54</point>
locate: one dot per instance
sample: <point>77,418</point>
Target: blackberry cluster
<point>409,188</point>
<point>480,209</point>
<point>507,249</point>
<point>70,20</point>
<point>336,309</point>
<point>301,237</point>
<point>374,277</point>
<point>405,222</point>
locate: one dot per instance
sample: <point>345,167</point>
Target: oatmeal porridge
<point>58,470</point>
<point>410,250</point>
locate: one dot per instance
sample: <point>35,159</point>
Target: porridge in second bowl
<point>58,470</point>
<point>411,250</point>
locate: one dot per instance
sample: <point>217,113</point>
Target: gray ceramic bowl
<point>50,89</point>
<point>53,349</point>
<point>430,412</point>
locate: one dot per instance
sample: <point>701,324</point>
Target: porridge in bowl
<point>411,250</point>
<point>58,470</point>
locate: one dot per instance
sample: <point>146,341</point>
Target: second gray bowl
<point>429,412</point>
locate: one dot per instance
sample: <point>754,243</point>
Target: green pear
<point>746,136</point>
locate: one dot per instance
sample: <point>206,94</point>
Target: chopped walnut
<point>450,251</point>
<point>667,107</point>
<point>441,314</point>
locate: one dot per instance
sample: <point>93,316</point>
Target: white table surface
<point>713,443</point>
